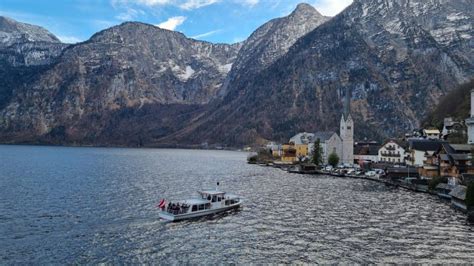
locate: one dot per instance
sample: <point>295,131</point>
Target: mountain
<point>122,68</point>
<point>24,51</point>
<point>397,57</point>
<point>136,84</point>
<point>271,41</point>
<point>23,44</point>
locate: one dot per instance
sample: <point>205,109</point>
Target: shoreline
<point>387,182</point>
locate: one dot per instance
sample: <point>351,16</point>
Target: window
<point>201,207</point>
<point>219,198</point>
<point>208,206</point>
<point>349,128</point>
<point>194,208</point>
<point>214,198</point>
<point>227,202</point>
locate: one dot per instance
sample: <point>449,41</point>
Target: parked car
<point>370,173</point>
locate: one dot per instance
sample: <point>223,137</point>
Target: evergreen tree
<point>470,196</point>
<point>333,159</point>
<point>317,153</point>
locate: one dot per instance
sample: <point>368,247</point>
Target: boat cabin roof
<point>211,192</point>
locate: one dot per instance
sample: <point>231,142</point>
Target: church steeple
<point>347,103</point>
<point>347,130</point>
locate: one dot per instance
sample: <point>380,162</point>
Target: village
<point>430,160</point>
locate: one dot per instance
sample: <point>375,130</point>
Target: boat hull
<point>190,215</point>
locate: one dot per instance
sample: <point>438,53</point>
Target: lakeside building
<point>431,133</point>
<point>470,121</point>
<point>458,197</point>
<point>450,160</point>
<point>421,149</point>
<point>451,127</point>
<point>454,160</point>
<point>288,153</point>
<point>303,143</point>
<point>366,152</point>
<point>330,143</point>
<point>275,148</point>
<point>392,151</point>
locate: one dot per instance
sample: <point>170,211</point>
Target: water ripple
<point>88,205</point>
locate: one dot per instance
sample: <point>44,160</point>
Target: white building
<point>431,133</point>
<point>303,138</point>
<point>421,149</point>
<point>470,121</point>
<point>392,151</point>
<point>330,143</point>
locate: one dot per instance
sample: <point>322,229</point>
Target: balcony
<point>390,154</point>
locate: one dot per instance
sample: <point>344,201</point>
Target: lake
<point>98,205</point>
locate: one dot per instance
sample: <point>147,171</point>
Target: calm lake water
<point>97,205</point>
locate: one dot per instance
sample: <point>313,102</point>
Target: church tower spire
<point>347,130</point>
<point>347,103</point>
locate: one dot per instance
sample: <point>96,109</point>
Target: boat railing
<point>177,208</point>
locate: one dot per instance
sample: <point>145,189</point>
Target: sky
<point>217,21</point>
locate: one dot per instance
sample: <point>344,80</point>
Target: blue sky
<point>225,21</point>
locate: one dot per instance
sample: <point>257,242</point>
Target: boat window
<point>209,197</point>
<point>219,199</point>
<point>227,202</point>
<point>214,198</point>
<point>232,201</point>
<point>194,208</point>
<point>208,206</point>
<point>201,207</point>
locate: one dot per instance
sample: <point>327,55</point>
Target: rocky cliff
<point>271,41</point>
<point>397,57</point>
<point>122,68</point>
<point>136,84</point>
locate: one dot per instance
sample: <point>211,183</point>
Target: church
<point>347,131</point>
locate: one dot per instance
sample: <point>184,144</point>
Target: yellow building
<point>301,150</point>
<point>288,153</point>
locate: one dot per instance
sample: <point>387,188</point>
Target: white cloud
<point>143,2</point>
<point>331,7</point>
<point>172,23</point>
<point>183,4</point>
<point>249,3</point>
<point>194,4</point>
<point>130,14</point>
<point>69,39</point>
<point>202,35</point>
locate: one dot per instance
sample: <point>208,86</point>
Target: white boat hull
<point>178,217</point>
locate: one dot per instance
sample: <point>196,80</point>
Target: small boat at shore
<point>210,202</point>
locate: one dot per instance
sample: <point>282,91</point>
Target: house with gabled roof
<point>304,144</point>
<point>392,151</point>
<point>421,149</point>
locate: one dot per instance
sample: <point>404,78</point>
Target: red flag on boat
<point>162,204</point>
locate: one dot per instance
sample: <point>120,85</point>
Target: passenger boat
<point>210,202</point>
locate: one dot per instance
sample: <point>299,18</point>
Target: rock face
<point>23,44</point>
<point>271,41</point>
<point>24,51</point>
<point>396,56</point>
<point>136,84</point>
<point>121,68</point>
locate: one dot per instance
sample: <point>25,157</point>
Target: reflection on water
<point>93,205</point>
